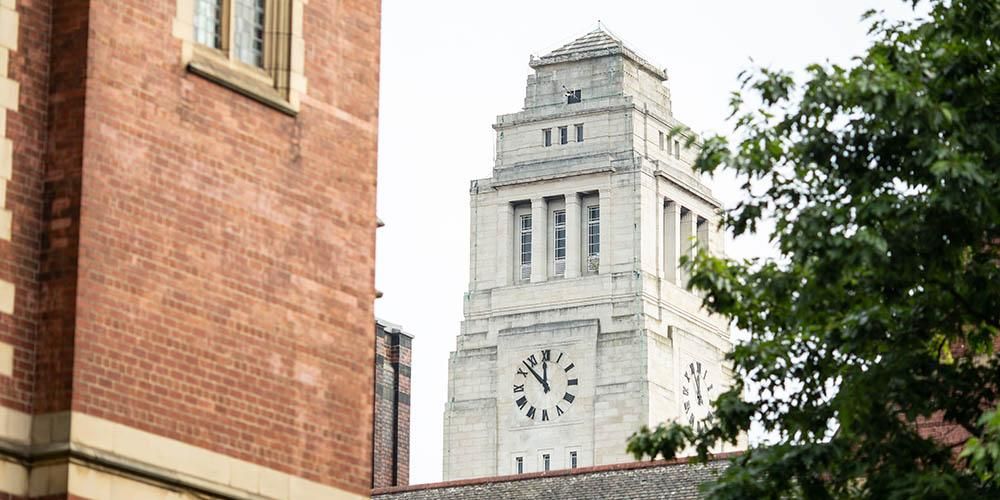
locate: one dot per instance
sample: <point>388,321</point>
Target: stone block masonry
<point>186,273</point>
<point>576,239</point>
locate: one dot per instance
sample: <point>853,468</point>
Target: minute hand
<point>533,372</point>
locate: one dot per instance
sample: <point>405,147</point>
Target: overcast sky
<point>449,67</point>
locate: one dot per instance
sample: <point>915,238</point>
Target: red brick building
<point>187,219</point>
<point>391,433</point>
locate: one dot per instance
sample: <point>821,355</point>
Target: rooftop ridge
<point>598,42</point>
<point>554,473</point>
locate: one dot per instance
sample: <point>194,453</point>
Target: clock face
<point>697,392</point>
<point>545,385</point>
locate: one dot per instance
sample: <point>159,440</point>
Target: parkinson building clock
<point>544,385</point>
<point>697,392</point>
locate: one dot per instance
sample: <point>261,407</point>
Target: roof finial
<point>599,25</point>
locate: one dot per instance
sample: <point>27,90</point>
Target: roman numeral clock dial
<point>545,385</point>
<point>697,392</point>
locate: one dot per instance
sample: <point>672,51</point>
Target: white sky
<point>449,67</point>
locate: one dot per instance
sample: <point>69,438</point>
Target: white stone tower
<point>578,328</point>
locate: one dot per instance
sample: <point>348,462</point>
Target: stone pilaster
<point>539,239</point>
<point>687,239</point>
<point>671,241</point>
<point>605,258</point>
<point>505,240</point>
<point>573,243</point>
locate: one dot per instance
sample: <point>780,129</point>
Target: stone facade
<point>391,434</point>
<point>613,204</point>
<point>186,287</point>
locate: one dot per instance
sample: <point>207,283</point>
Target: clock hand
<point>697,386</point>
<point>545,375</point>
<point>545,384</point>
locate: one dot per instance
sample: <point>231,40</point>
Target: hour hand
<point>545,384</point>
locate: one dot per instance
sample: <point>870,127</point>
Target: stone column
<point>505,243</point>
<point>604,265</point>
<point>702,227</point>
<point>539,239</point>
<point>671,241</point>
<point>687,237</point>
<point>573,243</point>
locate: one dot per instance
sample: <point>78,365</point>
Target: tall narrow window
<point>593,237</point>
<point>559,241</point>
<point>546,137</point>
<point>525,247</point>
<point>572,460</point>
<point>248,33</point>
<point>579,132</point>
<point>519,465</point>
<point>677,148</point>
<point>546,463</point>
<point>208,23</point>
<point>662,141</point>
<point>563,135</point>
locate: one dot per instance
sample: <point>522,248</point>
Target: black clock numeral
<point>569,397</point>
<point>709,388</point>
<point>687,376</point>
<point>691,420</point>
<point>532,360</point>
<point>518,388</point>
<point>570,367</point>
<point>545,415</point>
<point>531,413</point>
<point>684,391</point>
<point>687,406</point>
<point>559,411</point>
<point>546,355</point>
<point>522,373</point>
<point>560,357</point>
<point>571,381</point>
<point>521,402</point>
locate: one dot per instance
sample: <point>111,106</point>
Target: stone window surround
<point>541,235</point>
<point>572,454</point>
<point>681,224</point>
<point>282,87</point>
<point>564,135</point>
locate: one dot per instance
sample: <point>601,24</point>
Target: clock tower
<point>578,327</point>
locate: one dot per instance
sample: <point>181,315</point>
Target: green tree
<point>883,179</point>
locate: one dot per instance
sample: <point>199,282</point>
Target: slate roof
<point>597,43</point>
<point>677,479</point>
<point>594,41</point>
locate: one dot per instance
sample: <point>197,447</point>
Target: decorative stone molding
<point>9,91</point>
<point>281,84</point>
<point>90,457</point>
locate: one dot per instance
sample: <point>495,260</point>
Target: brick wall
<point>391,437</point>
<point>26,130</point>
<point>943,431</point>
<point>189,262</point>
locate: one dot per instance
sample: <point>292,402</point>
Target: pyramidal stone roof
<point>597,43</point>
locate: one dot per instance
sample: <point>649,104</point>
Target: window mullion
<point>227,29</point>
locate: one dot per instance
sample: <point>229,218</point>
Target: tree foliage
<point>883,179</point>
